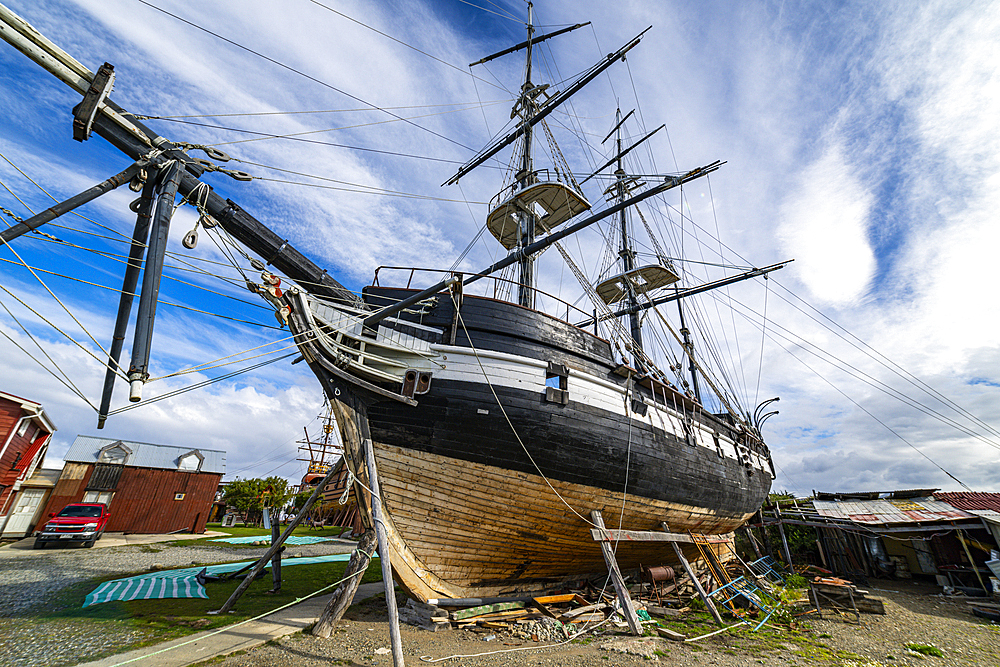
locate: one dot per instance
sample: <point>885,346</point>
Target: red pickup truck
<point>77,522</point>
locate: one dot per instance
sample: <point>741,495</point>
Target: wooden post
<point>383,552</point>
<point>784,540</point>
<point>694,579</point>
<point>276,559</point>
<point>344,595</point>
<point>616,578</point>
<point>753,543</point>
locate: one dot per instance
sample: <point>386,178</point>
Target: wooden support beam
<point>616,578</point>
<point>637,536</point>
<point>344,594</point>
<point>784,540</point>
<point>697,584</point>
<point>383,547</point>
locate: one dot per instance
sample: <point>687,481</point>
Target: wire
<point>300,73</point>
<point>199,385</point>
<point>398,41</point>
<point>310,141</point>
<point>315,111</point>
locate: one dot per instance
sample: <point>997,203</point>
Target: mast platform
<point>550,202</point>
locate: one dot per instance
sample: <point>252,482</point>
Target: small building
<point>905,533</point>
<point>148,488</point>
<point>25,432</point>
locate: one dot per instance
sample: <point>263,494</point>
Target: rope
<point>510,423</point>
<point>65,382</point>
<point>70,338</point>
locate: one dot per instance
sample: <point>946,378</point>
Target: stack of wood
<point>837,593</point>
<point>567,608</point>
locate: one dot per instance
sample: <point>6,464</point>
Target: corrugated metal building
<point>148,488</point>
<point>921,531</point>
<point>25,432</point>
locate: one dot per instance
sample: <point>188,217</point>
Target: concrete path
<point>210,644</point>
<point>115,540</point>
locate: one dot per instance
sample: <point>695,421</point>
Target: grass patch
<point>926,649</point>
<point>242,531</point>
<point>161,620</point>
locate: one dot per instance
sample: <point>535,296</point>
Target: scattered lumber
<point>426,616</point>
<point>670,634</point>
<point>485,609</point>
<point>838,594</point>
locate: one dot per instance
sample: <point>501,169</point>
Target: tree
<point>251,496</point>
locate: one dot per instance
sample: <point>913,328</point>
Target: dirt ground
<point>915,614</point>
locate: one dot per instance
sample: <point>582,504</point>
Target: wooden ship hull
<point>488,477</point>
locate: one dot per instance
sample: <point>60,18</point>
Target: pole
<point>136,252</point>
<point>50,214</point>
<point>276,559</point>
<point>138,371</point>
<point>344,594</point>
<point>628,609</point>
<point>697,584</point>
<point>784,540</point>
<point>383,552</point>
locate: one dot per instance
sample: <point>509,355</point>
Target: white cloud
<point>824,226</point>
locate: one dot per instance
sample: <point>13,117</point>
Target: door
<point>23,515</point>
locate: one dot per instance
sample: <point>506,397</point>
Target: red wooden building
<point>25,431</point>
<point>148,488</point>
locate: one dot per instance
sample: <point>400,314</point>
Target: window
<point>178,496</point>
<point>23,428</point>
<point>557,383</point>
<point>117,453</point>
<point>98,497</point>
<point>190,462</point>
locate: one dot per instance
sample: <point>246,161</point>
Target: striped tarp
<point>292,539</point>
<point>147,588</point>
<point>182,583</point>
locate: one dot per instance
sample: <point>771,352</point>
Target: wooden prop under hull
<point>461,529</point>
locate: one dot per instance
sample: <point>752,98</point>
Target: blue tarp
<point>292,539</point>
<point>182,583</point>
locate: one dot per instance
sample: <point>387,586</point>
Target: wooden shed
<point>148,488</point>
<point>25,431</point>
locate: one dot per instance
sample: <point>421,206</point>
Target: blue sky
<point>860,140</point>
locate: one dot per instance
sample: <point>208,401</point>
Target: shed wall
<point>144,498</point>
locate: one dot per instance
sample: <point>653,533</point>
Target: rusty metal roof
<point>970,500</point>
<point>891,510</point>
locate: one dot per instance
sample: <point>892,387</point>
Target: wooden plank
<point>485,609</point>
<point>612,535</point>
<point>573,613</point>
<point>616,578</point>
<point>556,599</point>
<point>670,634</point>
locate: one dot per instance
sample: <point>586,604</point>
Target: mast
<point>689,349</point>
<point>526,219</point>
<point>626,253</point>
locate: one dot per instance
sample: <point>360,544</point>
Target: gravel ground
<point>913,615</point>
<point>33,580</point>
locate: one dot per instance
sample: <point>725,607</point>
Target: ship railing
<point>490,286</point>
<point>536,176</point>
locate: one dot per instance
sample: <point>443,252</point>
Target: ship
<point>500,417</point>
